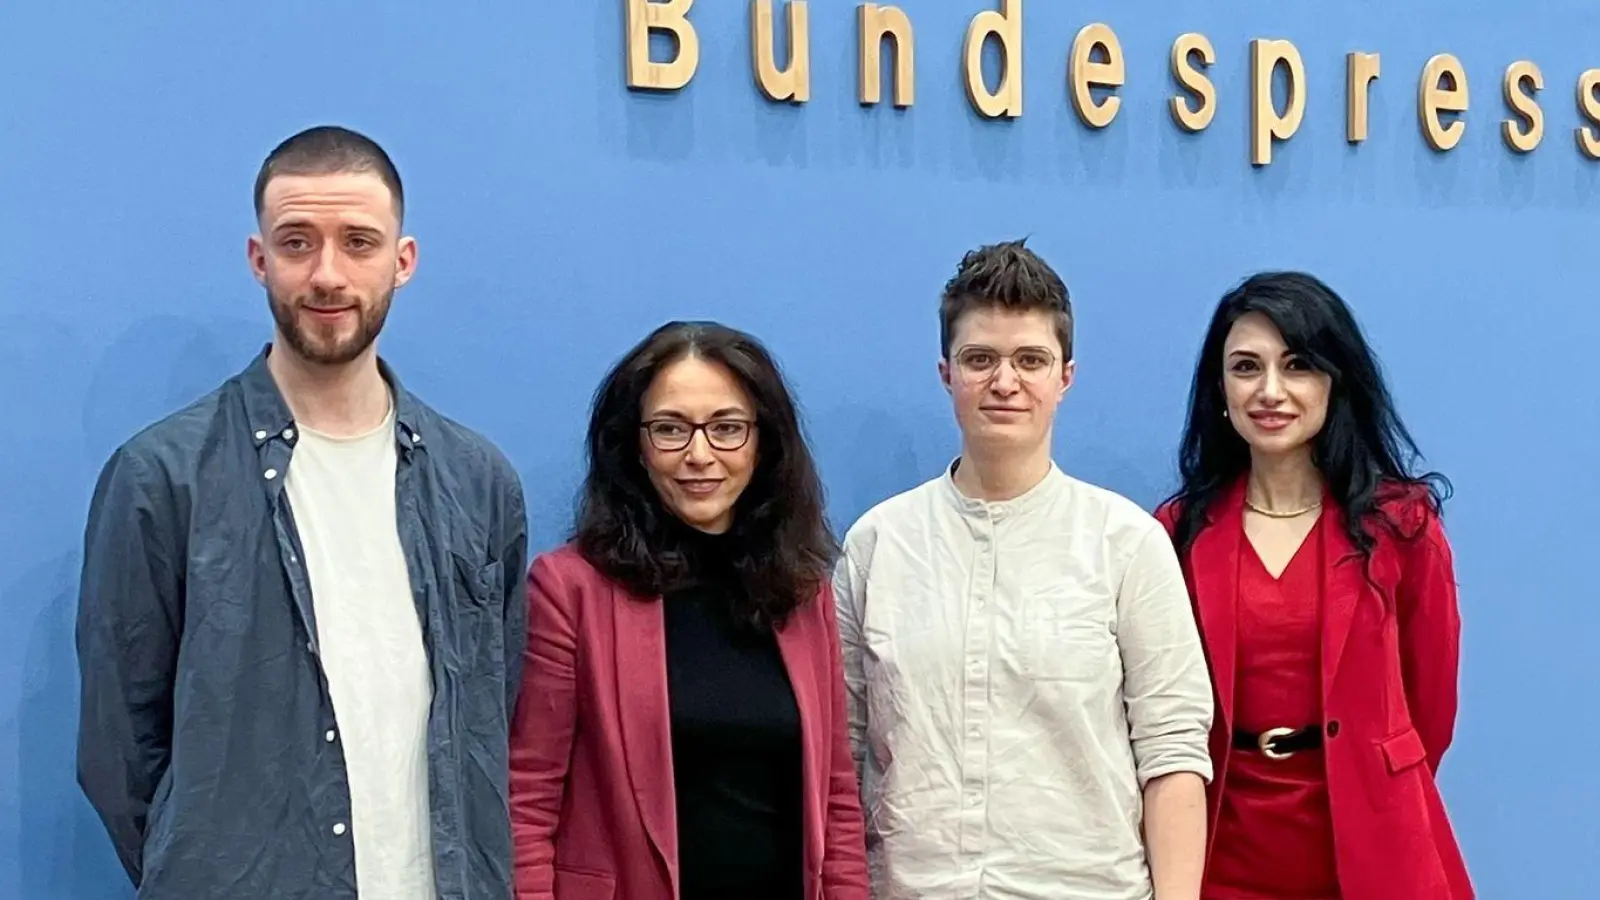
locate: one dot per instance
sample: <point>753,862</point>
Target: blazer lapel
<point>644,710</point>
<point>1215,556</point>
<point>1342,587</point>
<point>795,646</point>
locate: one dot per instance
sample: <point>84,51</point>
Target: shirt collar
<point>268,417</point>
<point>1053,482</point>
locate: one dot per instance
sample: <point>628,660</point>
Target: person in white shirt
<point>1029,699</point>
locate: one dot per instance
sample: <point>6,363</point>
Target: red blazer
<point>1389,668</point>
<point>592,807</point>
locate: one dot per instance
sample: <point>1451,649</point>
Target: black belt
<point>1279,743</point>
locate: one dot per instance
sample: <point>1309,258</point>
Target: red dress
<point>1274,836</point>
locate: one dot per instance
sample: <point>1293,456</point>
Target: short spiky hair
<point>326,150</point>
<point>1005,276</point>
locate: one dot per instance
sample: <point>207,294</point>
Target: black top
<point>735,742</point>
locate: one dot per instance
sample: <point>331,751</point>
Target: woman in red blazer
<point>1325,593</point>
<point>681,732</point>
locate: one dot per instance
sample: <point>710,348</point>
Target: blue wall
<point>560,217</point>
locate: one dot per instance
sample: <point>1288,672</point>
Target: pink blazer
<point>592,806</point>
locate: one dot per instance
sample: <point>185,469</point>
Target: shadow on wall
<point>1103,466</point>
<point>550,489</point>
<point>154,367</point>
<point>867,455</point>
<point>62,851</point>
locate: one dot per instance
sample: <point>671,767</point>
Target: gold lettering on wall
<point>1083,72</point>
<point>1190,77</point>
<point>1266,123</point>
<point>793,82</point>
<point>1525,128</point>
<point>671,16</point>
<point>1443,89</point>
<point>875,24</point>
<point>1589,108</point>
<point>1007,26</point>
<point>1361,69</point>
<point>1097,62</point>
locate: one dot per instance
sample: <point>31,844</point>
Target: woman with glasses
<point>1325,592</point>
<point>681,732</point>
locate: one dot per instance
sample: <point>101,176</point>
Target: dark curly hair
<point>784,547</point>
<point>1364,451</point>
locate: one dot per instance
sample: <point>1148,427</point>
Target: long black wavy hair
<point>1364,451</point>
<point>783,547</point>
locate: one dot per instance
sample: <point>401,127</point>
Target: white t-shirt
<point>342,493</point>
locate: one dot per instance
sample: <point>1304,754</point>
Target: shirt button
<point>338,828</point>
<point>415,437</point>
<point>288,434</point>
<point>270,474</point>
<point>330,735</point>
<point>261,435</point>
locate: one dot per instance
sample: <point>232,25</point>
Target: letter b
<point>672,16</point>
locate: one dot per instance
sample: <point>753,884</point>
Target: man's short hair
<point>329,150</point>
<point>1010,277</point>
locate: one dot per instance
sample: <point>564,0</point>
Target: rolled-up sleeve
<point>128,627</point>
<point>1167,686</point>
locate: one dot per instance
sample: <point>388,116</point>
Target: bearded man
<point>301,615</point>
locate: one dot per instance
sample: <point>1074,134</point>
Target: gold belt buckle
<point>1265,743</point>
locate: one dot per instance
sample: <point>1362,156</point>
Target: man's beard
<point>315,344</point>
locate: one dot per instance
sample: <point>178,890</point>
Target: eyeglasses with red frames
<point>672,435</point>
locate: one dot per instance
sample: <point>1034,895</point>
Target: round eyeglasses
<point>672,435</point>
<point>979,364</point>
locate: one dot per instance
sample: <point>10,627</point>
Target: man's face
<point>1006,376</point>
<point>331,257</point>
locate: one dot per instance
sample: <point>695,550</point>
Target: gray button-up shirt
<point>204,739</point>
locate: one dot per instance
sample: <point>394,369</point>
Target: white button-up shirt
<point>1017,672</point>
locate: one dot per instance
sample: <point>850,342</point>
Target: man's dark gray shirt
<point>207,740</point>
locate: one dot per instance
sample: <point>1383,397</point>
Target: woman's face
<point>698,441</point>
<point>1276,401</point>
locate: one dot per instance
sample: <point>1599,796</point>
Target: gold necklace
<point>1290,514</point>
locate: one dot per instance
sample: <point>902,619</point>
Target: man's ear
<point>1069,374</point>
<point>405,261</point>
<point>255,252</point>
